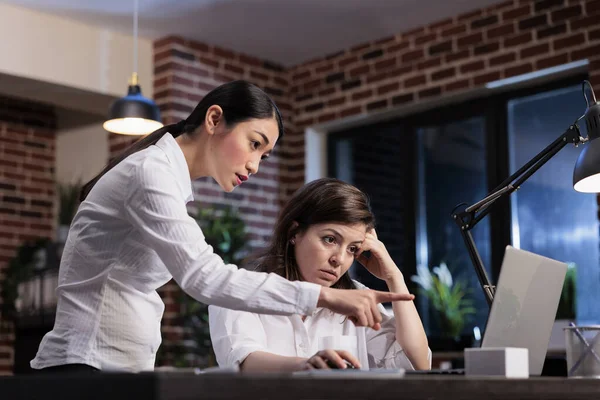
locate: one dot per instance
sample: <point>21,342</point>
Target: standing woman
<point>132,234</point>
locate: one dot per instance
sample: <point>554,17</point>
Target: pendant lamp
<point>133,114</point>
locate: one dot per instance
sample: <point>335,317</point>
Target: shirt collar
<point>171,148</point>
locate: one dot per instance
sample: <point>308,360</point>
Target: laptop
<point>524,306</point>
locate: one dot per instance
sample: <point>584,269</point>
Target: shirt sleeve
<point>383,349</point>
<point>235,335</point>
<point>156,208</point>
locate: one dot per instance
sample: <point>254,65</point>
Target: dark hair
<point>321,201</point>
<point>240,101</point>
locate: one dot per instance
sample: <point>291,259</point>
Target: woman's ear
<point>214,117</point>
<point>292,232</point>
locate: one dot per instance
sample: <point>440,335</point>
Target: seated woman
<point>324,227</point>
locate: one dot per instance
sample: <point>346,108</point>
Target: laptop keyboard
<point>451,371</point>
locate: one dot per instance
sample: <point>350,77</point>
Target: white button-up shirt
<point>236,334</point>
<point>130,236</point>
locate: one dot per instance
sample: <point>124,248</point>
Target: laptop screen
<point>525,304</point>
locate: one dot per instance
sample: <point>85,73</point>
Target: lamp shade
<point>133,114</point>
<point>586,176</point>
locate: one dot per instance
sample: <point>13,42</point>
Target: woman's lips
<point>329,275</point>
<point>240,179</point>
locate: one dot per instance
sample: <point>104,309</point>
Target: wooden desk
<point>555,364</point>
<point>181,386</point>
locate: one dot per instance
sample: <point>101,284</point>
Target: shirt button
<point>301,349</point>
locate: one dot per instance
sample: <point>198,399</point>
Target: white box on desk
<point>509,362</point>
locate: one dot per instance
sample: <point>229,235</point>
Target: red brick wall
<point>27,151</point>
<point>456,54</point>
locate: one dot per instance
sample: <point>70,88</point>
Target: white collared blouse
<point>130,236</point>
<point>236,334</point>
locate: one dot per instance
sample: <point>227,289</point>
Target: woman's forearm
<point>261,361</point>
<point>410,333</point>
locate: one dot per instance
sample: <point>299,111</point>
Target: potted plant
<point>224,229</point>
<point>30,256</point>
<point>448,299</point>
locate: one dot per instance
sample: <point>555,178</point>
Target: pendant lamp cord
<point>135,36</point>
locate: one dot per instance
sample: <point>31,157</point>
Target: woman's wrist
<point>301,364</point>
<point>395,282</point>
<point>324,297</point>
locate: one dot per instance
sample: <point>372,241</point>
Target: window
<point>451,170</point>
<point>417,169</point>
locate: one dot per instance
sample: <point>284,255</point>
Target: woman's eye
<point>255,144</point>
<point>329,239</point>
<point>353,249</point>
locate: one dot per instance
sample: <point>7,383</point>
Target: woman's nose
<point>337,259</point>
<point>252,167</point>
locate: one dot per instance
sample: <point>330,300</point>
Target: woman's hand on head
<point>380,264</point>
<point>359,305</point>
<point>334,357</point>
